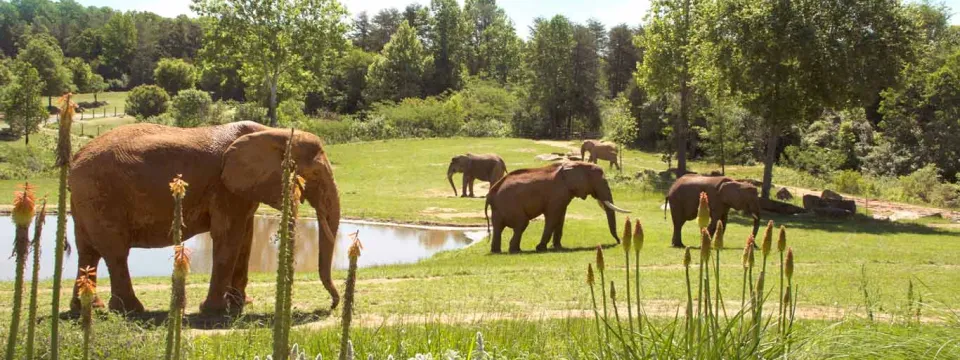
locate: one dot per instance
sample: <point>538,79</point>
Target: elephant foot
<point>541,247</point>
<point>128,306</point>
<point>514,250</point>
<point>678,245</point>
<point>557,247</point>
<point>463,196</point>
<point>496,251</point>
<point>219,308</point>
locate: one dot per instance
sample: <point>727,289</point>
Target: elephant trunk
<point>756,224</point>
<point>450,172</point>
<point>612,223</point>
<point>327,204</point>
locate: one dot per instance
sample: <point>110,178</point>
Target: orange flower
<point>767,239</point>
<point>703,213</point>
<point>788,267</point>
<point>600,258</point>
<point>24,203</point>
<point>178,187</point>
<point>718,236</point>
<point>627,235</point>
<point>748,258</point>
<point>704,245</point>
<point>638,237</point>
<point>86,287</point>
<point>782,240</point>
<point>181,261</point>
<point>590,274</point>
<point>354,251</point>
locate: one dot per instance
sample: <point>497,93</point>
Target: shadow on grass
<point>552,250</point>
<point>214,322</point>
<point>857,223</point>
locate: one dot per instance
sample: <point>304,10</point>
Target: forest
<point>862,96</point>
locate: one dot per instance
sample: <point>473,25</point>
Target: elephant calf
<point>600,150</point>
<point>723,193</point>
<point>483,167</point>
<point>527,193</point>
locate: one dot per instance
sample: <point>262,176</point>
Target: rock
<point>904,215</point>
<point>830,195</point>
<point>815,204</point>
<point>848,205</point>
<point>549,157</point>
<point>833,213</point>
<point>812,202</point>
<point>780,207</point>
<point>784,194</point>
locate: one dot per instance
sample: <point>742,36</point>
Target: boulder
<point>830,195</point>
<point>833,213</point>
<point>784,194</point>
<point>815,203</point>
<point>780,207</point>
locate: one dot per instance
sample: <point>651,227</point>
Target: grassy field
<point>435,304</point>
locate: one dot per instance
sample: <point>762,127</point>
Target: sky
<point>609,12</point>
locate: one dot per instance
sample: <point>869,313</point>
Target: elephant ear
<point>575,177</point>
<point>252,166</point>
<point>731,194</point>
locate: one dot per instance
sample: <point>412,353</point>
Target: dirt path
<point>882,209</point>
<point>560,144</point>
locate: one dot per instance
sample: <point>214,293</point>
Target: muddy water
<point>383,245</point>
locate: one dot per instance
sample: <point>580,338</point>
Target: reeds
<point>35,278</point>
<point>289,195</point>
<point>23,210</point>
<point>707,330</point>
<point>181,268</point>
<point>67,108</point>
<point>346,346</point>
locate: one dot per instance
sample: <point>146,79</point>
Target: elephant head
<point>458,164</point>
<point>742,196</point>
<point>252,169</point>
<point>586,146</point>
<point>585,179</point>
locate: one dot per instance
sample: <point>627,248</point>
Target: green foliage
<point>619,125</point>
<point>430,117</point>
<point>816,160</point>
<point>276,43</point>
<point>174,75</point>
<point>250,112</point>
<point>119,43</point>
<point>730,134</point>
<point>190,108</point>
<point>81,75</point>
<point>493,48</point>
<point>24,163</point>
<point>621,60</point>
<point>145,101</point>
<point>550,68</point>
<point>20,102</point>
<point>348,82</point>
<point>849,182</point>
<point>290,113</point>
<point>486,101</point>
<point>921,184</point>
<point>43,53</point>
<point>447,45</point>
<point>398,72</point>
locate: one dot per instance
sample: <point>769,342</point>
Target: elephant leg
<point>242,268</point>
<point>226,251</point>
<point>549,225</point>
<point>517,235</point>
<point>88,257</point>
<point>495,238</point>
<point>122,297</point>
<point>558,230</point>
<point>472,180</point>
<point>678,222</point>
<point>464,184</point>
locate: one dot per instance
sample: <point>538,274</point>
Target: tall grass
<point>87,290</point>
<point>289,198</point>
<point>181,268</point>
<point>35,278</point>
<point>706,330</point>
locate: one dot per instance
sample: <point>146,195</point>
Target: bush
<point>162,119</point>
<point>849,182</point>
<point>946,195</point>
<point>428,117</point>
<point>190,108</point>
<point>250,111</point>
<point>486,101</point>
<point>921,184</point>
<point>219,113</point>
<point>118,84</point>
<point>145,101</point>
<point>485,128</point>
<point>23,163</point>
<point>174,75</point>
<point>290,113</point>
<point>815,160</point>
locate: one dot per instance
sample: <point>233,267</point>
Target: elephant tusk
<point>610,206</point>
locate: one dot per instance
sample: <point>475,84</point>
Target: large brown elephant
<point>483,167</point>
<point>120,199</point>
<point>600,150</point>
<point>723,193</point>
<point>527,193</point>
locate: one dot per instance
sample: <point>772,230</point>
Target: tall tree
<point>447,46</point>
<point>550,69</point>
<point>599,32</point>
<point>493,48</point>
<point>174,75</point>
<point>383,25</point>
<point>86,44</point>
<point>621,60</point>
<point>585,62</point>
<point>9,22</point>
<point>360,35</point>
<point>348,82</point>
<point>398,72</point>
<point>275,41</point>
<point>119,44</point>
<point>43,54</point>
<point>21,103</point>
<point>418,16</point>
<point>182,39</point>
<point>80,73</point>
<point>666,64</point>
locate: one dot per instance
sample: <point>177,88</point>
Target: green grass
<point>91,128</point>
<point>116,100</point>
<point>404,180</point>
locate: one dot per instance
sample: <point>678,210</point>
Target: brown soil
<point>883,209</point>
<point>560,144</point>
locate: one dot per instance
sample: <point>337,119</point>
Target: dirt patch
<point>560,144</point>
<point>525,150</point>
<point>447,213</point>
<point>480,189</point>
<point>886,210</point>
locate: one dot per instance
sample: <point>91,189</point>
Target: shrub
<point>921,184</point>
<point>485,128</point>
<point>118,84</point>
<point>486,101</point>
<point>250,111</point>
<point>219,113</point>
<point>290,113</point>
<point>23,163</point>
<point>428,117</point>
<point>849,181</point>
<point>162,119</point>
<point>190,108</point>
<point>817,161</point>
<point>147,100</point>
<point>946,195</point>
<point>174,75</point>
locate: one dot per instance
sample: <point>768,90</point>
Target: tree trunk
<point>272,108</point>
<point>49,101</point>
<point>768,161</point>
<point>26,137</point>
<point>723,160</point>
<point>95,100</point>
<point>680,130</point>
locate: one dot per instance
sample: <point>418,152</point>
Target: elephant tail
<point>486,215</point>
<point>665,207</point>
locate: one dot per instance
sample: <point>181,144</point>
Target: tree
<point>361,33</point>
<point>493,48</point>
<point>274,41</point>
<point>619,124</point>
<point>174,75</point>
<point>86,44</point>
<point>348,82</point>
<point>621,59</point>
<point>190,107</point>
<point>9,21</point>
<point>21,105</point>
<point>182,39</point>
<point>585,62</point>
<point>96,86</point>
<point>145,101</point>
<point>447,46</point>
<point>398,72</point>
<point>550,68</point>
<point>81,74</point>
<point>44,55</point>
<point>119,43</point>
<point>418,16</point>
<point>665,68</point>
<point>383,26</point>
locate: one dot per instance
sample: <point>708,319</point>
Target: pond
<point>383,244</point>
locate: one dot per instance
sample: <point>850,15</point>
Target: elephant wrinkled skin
<point>527,193</point>
<point>483,167</point>
<point>120,199</point>
<point>600,150</point>
<point>723,193</point>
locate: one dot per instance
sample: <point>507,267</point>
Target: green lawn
<point>404,180</point>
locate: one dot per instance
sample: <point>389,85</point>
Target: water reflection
<point>383,245</point>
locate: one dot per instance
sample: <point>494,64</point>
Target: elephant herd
<point>120,199</point>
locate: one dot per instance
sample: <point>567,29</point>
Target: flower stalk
<point>354,254</point>
<point>67,109</point>
<point>181,268</point>
<point>627,244</point>
<point>24,204</point>
<point>283,305</point>
<point>35,279</point>
<point>87,289</point>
